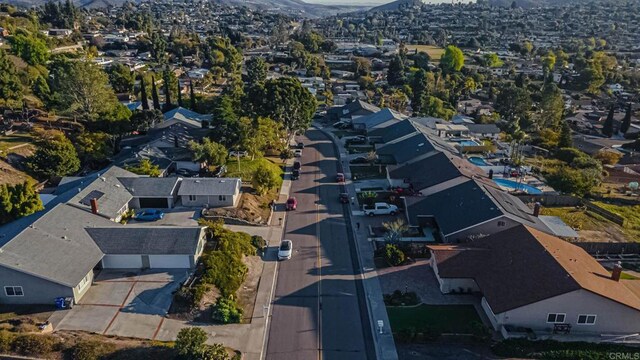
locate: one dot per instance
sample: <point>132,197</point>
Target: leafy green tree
<point>55,156</point>
<point>121,78</point>
<point>191,343</point>
<point>361,67</point>
<point>154,94</point>
<point>626,122</point>
<point>10,86</point>
<point>256,71</point>
<point>93,147</point>
<point>565,136</point>
<point>579,182</point>
<point>395,73</point>
<point>591,79</point>
<point>145,167</point>
<point>607,127</point>
<point>40,88</point>
<point>452,60</point>
<point>436,108</point>
<point>420,90</point>
<point>492,60</point>
<point>81,89</point>
<point>143,120</point>
<point>393,255</point>
<point>143,94</point>
<point>169,82</point>
<point>285,100</point>
<point>18,200</point>
<point>158,47</point>
<point>264,179</point>
<point>208,152</point>
<point>421,60</point>
<point>513,104</point>
<point>31,49</point>
<point>551,106</point>
<point>548,63</point>
<point>192,96</point>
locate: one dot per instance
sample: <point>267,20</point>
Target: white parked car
<point>380,209</point>
<point>285,249</point>
<point>297,152</point>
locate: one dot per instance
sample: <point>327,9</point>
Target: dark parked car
<point>187,173</point>
<point>149,215</point>
<point>358,140</point>
<point>295,175</point>
<point>300,145</point>
<point>359,160</point>
<point>340,177</point>
<point>297,165</point>
<point>343,198</point>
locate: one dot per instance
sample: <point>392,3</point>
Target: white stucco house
<point>210,192</point>
<point>532,281</point>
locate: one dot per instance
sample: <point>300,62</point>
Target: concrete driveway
<point>175,217</point>
<point>125,302</point>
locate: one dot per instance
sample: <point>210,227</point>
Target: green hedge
<point>557,350</point>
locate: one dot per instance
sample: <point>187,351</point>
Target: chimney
<point>617,271</point>
<point>491,174</point>
<point>94,206</point>
<point>536,209</point>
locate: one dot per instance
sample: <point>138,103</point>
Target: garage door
<point>156,203</point>
<point>122,262</point>
<point>169,262</point>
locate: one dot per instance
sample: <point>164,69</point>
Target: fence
<point>551,200</point>
<point>613,217</point>
<point>602,248</point>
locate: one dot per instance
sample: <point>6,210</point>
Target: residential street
<point>318,306</point>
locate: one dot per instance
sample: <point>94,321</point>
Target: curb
<point>374,330</point>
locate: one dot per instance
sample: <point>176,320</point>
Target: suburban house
<point>186,117</point>
<point>351,111</point>
<point>411,147</point>
<point>53,253</point>
<point>210,192</point>
<point>378,120</point>
<point>484,131</point>
<point>474,208</point>
<point>531,281</point>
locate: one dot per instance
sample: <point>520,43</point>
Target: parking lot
<point>125,303</point>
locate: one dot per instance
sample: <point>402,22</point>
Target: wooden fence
<point>551,200</point>
<point>613,217</point>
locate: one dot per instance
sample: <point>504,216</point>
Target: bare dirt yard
<point>252,206</point>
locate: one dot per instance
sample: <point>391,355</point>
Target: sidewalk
<point>383,338</point>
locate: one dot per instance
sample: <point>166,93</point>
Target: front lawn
<point>245,168</point>
<point>439,318</point>
<point>368,172</point>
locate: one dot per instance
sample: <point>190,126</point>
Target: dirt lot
<point>591,227</point>
<point>252,207</point>
<point>10,172</point>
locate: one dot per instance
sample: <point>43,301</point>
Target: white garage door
<point>169,261</point>
<point>122,262</point>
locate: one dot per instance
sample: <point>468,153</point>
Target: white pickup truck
<point>380,209</point>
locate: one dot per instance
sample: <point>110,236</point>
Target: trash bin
<point>60,303</point>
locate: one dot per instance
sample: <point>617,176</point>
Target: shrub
<point>6,341</point>
<point>569,154</point>
<point>225,272</point>
<point>264,179</point>
<point>32,344</point>
<point>226,311</point>
<point>550,349</point>
<point>91,350</point>
<point>215,352</point>
<point>480,332</point>
<point>258,242</point>
<point>190,343</point>
<point>608,157</point>
<point>393,255</point>
<point>398,298</point>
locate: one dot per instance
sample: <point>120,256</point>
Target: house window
<point>555,318</point>
<point>192,198</point>
<point>586,319</point>
<point>502,223</point>
<point>83,282</point>
<point>13,291</point>
<point>222,198</point>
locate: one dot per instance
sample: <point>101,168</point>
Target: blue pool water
<point>510,184</point>
<point>468,143</point>
<point>478,161</point>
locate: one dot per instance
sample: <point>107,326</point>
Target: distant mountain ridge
<point>286,6</point>
<point>394,5</point>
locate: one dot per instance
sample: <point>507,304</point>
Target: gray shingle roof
<point>56,246</point>
<point>150,186</point>
<point>412,147</point>
<point>209,186</point>
<point>397,130</point>
<point>147,240</point>
<point>115,195</point>
<point>380,117</point>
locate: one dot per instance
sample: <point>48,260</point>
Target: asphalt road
<point>319,310</point>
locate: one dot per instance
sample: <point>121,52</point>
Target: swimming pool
<point>510,184</point>
<point>476,160</point>
<point>468,143</point>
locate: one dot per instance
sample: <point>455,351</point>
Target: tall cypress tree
<point>192,96</point>
<point>167,91</point>
<point>565,140</point>
<point>607,127</point>
<point>626,122</point>
<point>156,98</point>
<point>143,94</point>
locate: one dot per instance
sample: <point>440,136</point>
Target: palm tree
<point>395,229</point>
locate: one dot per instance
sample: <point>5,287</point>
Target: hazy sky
<point>369,2</point>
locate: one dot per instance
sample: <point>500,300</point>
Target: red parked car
<point>340,177</point>
<point>292,203</point>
